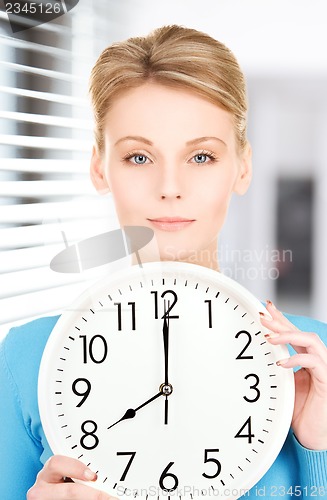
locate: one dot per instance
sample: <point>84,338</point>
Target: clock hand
<point>130,413</point>
<point>167,388</point>
<point>165,332</point>
<point>166,410</point>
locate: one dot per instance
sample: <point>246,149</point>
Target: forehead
<point>156,111</point>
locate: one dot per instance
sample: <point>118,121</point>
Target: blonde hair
<point>175,56</point>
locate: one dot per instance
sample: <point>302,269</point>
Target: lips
<point>171,223</point>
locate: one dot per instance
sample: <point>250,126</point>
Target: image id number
<point>33,8</point>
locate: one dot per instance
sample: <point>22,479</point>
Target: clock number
<point>132,454</point>
<point>90,350</point>
<point>94,438</point>
<point>214,460</point>
<point>120,315</point>
<point>254,387</point>
<point>247,435</point>
<point>84,394</point>
<point>241,354</point>
<point>165,475</point>
<point>166,313</point>
<point>209,312</point>
<point>155,304</point>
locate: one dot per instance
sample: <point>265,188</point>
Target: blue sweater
<point>297,471</point>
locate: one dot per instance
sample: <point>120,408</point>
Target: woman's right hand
<point>50,483</point>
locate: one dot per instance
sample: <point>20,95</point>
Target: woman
<point>171,146</point>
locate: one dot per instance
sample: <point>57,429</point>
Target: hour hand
<point>131,412</point>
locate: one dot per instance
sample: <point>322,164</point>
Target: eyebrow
<point>134,138</point>
<point>188,143</point>
<point>204,139</point>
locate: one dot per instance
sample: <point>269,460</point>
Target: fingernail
<point>89,475</point>
<point>265,316</point>
<point>281,362</point>
<point>271,335</point>
<point>269,303</point>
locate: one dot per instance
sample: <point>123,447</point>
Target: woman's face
<point>171,163</point>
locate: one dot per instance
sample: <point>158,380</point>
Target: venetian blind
<point>46,198</point>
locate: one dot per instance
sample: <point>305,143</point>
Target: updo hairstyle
<point>174,56</point>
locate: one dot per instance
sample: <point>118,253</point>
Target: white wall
<point>268,36</point>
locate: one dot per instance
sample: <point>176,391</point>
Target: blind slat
<point>39,71</point>
<point>39,303</point>
<point>45,96</point>
<point>46,120</point>
<point>31,280</point>
<point>28,258</point>
<point>29,189</point>
<point>34,212</point>
<point>27,141</point>
<point>43,234</point>
<point>36,47</point>
<point>55,28</point>
<point>44,166</point>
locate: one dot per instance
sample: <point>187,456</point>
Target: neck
<point>207,257</point>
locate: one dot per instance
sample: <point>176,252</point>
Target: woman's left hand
<point>309,421</point>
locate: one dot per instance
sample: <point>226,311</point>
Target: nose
<point>170,184</point>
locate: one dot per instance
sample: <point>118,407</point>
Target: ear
<point>97,173</point>
<point>244,176</point>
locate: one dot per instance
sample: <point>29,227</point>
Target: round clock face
<point>161,380</point>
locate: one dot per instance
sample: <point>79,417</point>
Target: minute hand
<point>167,387</point>
<point>165,331</point>
<point>130,413</point>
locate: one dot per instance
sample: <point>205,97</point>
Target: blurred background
<point>275,238</point>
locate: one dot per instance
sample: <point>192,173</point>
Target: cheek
<point>216,201</point>
<point>214,189</point>
<point>128,194</point>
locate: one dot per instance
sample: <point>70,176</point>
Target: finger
<point>66,491</point>
<point>276,320</point>
<point>302,342</point>
<point>304,360</point>
<point>58,467</point>
<point>317,368</point>
<point>277,325</point>
<point>278,333</point>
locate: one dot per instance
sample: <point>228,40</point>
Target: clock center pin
<point>166,389</point>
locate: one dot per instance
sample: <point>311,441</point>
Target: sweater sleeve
<point>22,445</point>
<point>19,453</point>
<point>313,470</point>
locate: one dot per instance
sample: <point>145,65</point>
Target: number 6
<point>168,474</point>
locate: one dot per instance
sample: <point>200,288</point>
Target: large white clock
<point>161,380</point>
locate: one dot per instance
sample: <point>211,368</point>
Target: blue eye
<point>204,157</point>
<point>139,159</point>
<point>200,158</point>
<point>136,158</point>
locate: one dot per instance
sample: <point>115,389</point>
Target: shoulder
<point>307,324</point>
<point>30,337</point>
<point>23,346</point>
